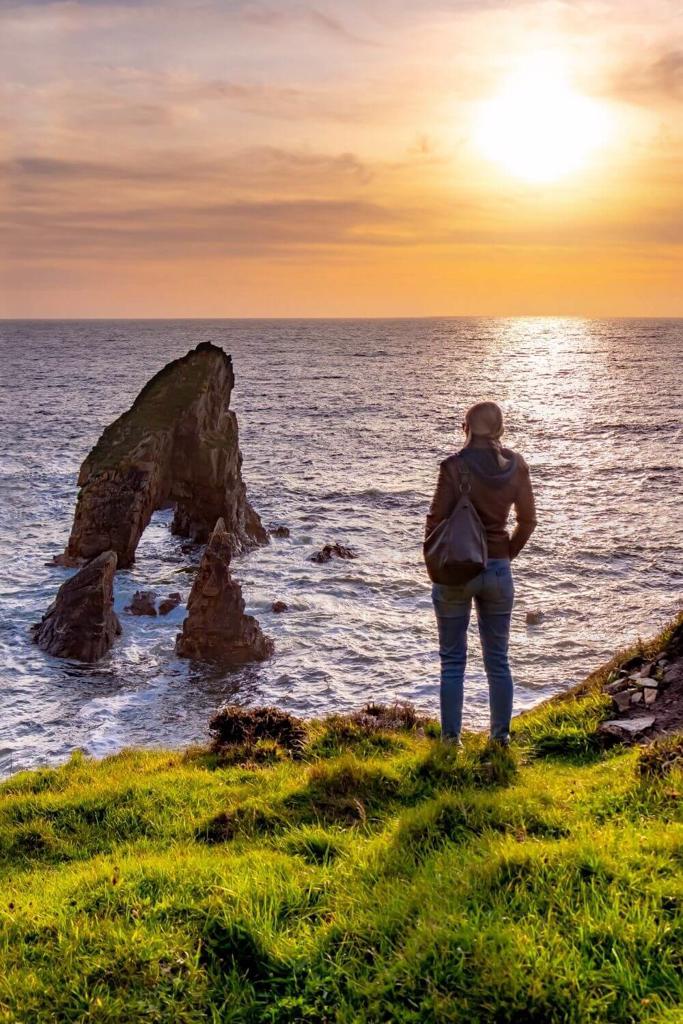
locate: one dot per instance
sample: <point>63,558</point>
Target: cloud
<point>168,133</point>
<point>293,14</point>
<point>262,168</point>
<point>253,201</point>
<point>240,228</point>
<point>72,211</point>
<point>658,79</point>
<point>159,104</point>
<point>273,16</point>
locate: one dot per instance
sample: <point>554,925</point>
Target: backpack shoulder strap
<point>464,477</point>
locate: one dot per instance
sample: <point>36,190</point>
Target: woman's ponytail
<point>484,422</point>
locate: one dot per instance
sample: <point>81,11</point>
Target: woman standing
<point>497,479</point>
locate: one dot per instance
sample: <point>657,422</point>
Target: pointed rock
<point>177,444</point>
<point>216,628</point>
<point>81,622</point>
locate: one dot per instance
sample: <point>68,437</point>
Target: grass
<point>372,875</point>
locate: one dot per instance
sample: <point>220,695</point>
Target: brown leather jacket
<point>494,492</point>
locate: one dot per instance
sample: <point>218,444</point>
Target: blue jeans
<point>493,592</point>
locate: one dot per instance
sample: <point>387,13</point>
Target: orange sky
<point>295,159</point>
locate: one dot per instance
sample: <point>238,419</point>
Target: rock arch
<point>177,444</point>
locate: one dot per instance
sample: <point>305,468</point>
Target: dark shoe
<point>452,741</point>
<point>500,741</point>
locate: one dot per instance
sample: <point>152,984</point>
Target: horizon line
<point>426,316</point>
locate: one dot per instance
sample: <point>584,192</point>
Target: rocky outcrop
<point>81,622</point>
<point>177,444</point>
<point>216,628</point>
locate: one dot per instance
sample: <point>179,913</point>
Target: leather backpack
<point>456,550</point>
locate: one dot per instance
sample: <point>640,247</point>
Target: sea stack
<point>81,622</point>
<point>216,628</point>
<point>176,445</point>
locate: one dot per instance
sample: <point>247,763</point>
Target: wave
<point>378,497</point>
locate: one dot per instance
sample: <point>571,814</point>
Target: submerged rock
<point>81,622</point>
<point>278,607</point>
<point>170,602</point>
<point>177,445</point>
<point>534,617</point>
<point>143,603</point>
<point>330,551</point>
<point>216,628</point>
<point>280,531</point>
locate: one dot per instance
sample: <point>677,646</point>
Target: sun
<point>539,128</point>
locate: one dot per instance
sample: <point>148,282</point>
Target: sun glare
<point>538,128</point>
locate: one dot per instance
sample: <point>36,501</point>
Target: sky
<point>224,158</point>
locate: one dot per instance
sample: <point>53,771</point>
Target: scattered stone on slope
<point>81,623</point>
<point>622,700</point>
<point>617,686</point>
<point>216,627</point>
<point>177,445</point>
<point>143,603</point>
<point>625,729</point>
<point>649,684</point>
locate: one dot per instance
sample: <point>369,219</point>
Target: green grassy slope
<point>377,877</point>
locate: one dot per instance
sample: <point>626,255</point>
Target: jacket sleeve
<point>444,500</point>
<point>525,511</point>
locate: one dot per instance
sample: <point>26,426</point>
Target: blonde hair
<point>484,422</point>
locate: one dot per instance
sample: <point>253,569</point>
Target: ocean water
<point>343,424</point>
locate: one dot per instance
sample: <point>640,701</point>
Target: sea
<point>343,424</point>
